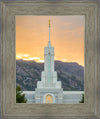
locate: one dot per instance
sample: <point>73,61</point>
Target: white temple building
<point>49,90</point>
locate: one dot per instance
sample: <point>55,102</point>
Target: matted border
<point>89,8</point>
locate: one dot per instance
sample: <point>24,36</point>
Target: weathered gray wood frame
<point>8,10</point>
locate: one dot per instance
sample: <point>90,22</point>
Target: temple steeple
<point>48,87</point>
<point>49,42</point>
<point>49,75</point>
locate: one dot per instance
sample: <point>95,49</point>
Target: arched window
<point>49,99</point>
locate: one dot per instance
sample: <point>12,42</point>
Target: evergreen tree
<point>82,101</point>
<point>20,98</point>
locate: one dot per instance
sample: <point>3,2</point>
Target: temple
<point>49,90</point>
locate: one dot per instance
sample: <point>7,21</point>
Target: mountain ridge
<point>70,74</point>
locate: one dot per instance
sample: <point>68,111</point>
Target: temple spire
<point>49,42</point>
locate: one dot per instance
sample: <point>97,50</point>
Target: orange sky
<point>67,37</point>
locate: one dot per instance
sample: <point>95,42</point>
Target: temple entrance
<point>48,99</point>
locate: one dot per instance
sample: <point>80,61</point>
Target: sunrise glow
<point>67,37</point>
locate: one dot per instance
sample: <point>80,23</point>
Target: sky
<point>66,35</point>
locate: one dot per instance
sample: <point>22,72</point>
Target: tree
<point>20,98</point>
<point>82,100</point>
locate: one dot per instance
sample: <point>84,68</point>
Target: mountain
<point>29,72</point>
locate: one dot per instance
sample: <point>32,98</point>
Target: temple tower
<point>48,86</point>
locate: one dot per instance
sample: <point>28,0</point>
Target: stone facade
<point>69,97</point>
<point>57,95</point>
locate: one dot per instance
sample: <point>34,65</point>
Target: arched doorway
<point>48,99</point>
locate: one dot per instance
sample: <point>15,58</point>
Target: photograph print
<point>50,59</point>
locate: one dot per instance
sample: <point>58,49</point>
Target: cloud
<point>25,58</point>
<point>26,55</point>
<point>64,60</point>
<point>18,56</point>
<point>35,58</point>
<point>41,60</point>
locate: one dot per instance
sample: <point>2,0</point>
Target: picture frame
<point>8,10</point>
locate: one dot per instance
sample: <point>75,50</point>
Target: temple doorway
<point>48,99</point>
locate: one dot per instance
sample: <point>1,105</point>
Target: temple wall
<point>68,96</point>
